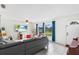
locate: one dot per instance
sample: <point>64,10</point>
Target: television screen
<point>21,28</point>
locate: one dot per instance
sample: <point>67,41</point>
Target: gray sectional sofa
<point>27,47</point>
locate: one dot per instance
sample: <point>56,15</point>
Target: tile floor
<point>54,49</point>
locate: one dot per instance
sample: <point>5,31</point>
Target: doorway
<point>50,30</point>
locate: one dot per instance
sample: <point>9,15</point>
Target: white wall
<point>73,32</point>
<point>61,29</point>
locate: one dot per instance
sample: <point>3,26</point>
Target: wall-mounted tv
<point>21,28</point>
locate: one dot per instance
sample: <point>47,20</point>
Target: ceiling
<point>38,11</point>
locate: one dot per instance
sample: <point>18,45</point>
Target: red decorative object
<point>28,36</point>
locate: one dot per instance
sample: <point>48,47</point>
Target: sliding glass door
<point>48,30</point>
<point>40,28</point>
